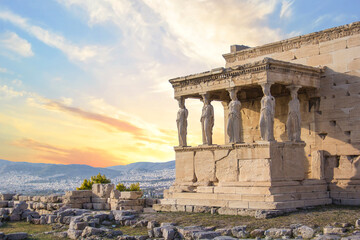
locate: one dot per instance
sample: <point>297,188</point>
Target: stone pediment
<point>248,75</point>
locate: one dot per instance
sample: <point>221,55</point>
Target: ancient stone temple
<point>292,127</point>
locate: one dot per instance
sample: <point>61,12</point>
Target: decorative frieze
<point>248,75</point>
<point>294,43</point>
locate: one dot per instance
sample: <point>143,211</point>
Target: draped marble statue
<point>267,114</point>
<point>293,123</point>
<point>233,126</point>
<point>207,120</point>
<point>181,122</point>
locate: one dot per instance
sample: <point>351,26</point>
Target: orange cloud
<point>54,154</point>
<point>120,125</point>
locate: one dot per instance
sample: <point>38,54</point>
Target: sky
<point>86,82</point>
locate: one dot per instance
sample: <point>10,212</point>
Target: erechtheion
<point>292,127</point>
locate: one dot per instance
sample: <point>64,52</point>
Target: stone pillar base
<point>231,178</point>
<point>234,200</point>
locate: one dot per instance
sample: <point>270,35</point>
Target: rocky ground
<point>331,222</point>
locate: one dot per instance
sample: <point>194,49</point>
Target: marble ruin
<point>292,127</point>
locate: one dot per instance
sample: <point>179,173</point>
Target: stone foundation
<point>231,178</point>
<point>262,195</point>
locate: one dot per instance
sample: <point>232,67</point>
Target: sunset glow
<point>86,82</point>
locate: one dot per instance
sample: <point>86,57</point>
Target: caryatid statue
<point>267,114</point>
<point>207,120</point>
<point>233,125</point>
<point>181,122</point>
<point>293,123</point>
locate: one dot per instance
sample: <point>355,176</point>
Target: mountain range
<point>77,170</point>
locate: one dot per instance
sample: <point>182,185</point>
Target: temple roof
<point>267,70</point>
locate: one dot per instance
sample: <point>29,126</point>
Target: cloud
<point>321,19</point>
<point>118,124</point>
<point>3,70</point>
<point>201,30</point>
<point>205,29</point>
<point>10,41</point>
<point>286,10</point>
<point>121,122</point>
<point>7,92</point>
<point>73,51</point>
<point>61,155</point>
<point>66,101</point>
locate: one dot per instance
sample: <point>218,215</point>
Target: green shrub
<point>133,187</point>
<point>87,184</point>
<point>121,187</point>
<point>100,179</point>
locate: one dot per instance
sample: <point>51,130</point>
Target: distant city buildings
<point>152,183</point>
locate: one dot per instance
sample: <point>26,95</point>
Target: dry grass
<point>132,231</point>
<point>37,230</point>
<point>315,217</point>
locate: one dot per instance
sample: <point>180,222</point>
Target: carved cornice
<point>220,78</point>
<point>222,147</point>
<point>220,73</point>
<point>260,144</point>
<point>296,42</point>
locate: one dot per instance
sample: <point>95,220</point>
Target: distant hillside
<point>54,170</point>
<point>77,170</point>
<point>144,166</point>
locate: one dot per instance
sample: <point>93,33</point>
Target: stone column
<point>293,123</point>
<point>234,117</point>
<point>267,113</point>
<point>207,119</point>
<point>181,122</point>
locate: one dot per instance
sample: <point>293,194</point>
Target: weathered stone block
<point>354,64</point>
<point>87,205</point>
<point>322,60</point>
<point>278,232</point>
<point>206,235</point>
<point>16,236</point>
<point>239,232</point>
<point>333,230</point>
<point>79,194</point>
<point>205,158</point>
<point>331,46</point>
<point>131,195</point>
<point>102,190</point>
<point>99,206</point>
<point>99,200</point>
<point>6,196</point>
<point>307,51</point>
<point>115,194</point>
<point>353,41</point>
<point>227,211</point>
<point>184,166</point>
<point>304,232</point>
<point>3,204</point>
<point>74,234</point>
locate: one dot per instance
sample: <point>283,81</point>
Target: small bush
<point>87,184</point>
<point>133,187</point>
<point>121,187</point>
<point>100,179</point>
